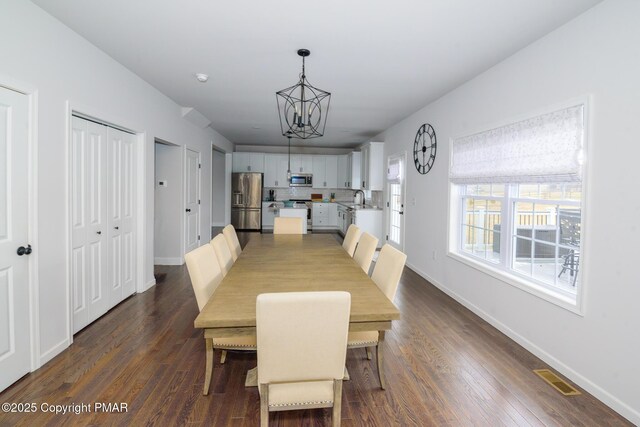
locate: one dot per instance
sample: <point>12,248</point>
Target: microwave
<point>301,180</point>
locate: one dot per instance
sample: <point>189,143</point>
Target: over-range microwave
<point>301,180</point>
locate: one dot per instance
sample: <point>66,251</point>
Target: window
<point>518,201</point>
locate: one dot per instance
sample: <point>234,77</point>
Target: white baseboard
<point>150,284</point>
<point>604,396</point>
<point>168,261</point>
<point>53,351</point>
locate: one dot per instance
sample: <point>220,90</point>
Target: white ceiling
<point>381,60</point>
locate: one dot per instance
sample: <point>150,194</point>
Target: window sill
<point>568,303</point>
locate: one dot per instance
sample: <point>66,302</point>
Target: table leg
<point>208,372</point>
<point>380,359</point>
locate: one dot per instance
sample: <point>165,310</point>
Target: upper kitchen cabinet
<point>325,171</point>
<point>248,162</point>
<point>275,170</point>
<point>372,168</point>
<point>301,163</point>
<point>354,160</point>
<point>348,173</point>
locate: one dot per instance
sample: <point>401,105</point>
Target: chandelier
<point>302,107</point>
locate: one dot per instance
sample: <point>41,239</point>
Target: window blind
<point>393,171</point>
<point>546,148</point>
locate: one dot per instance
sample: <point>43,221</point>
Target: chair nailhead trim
<point>279,405</point>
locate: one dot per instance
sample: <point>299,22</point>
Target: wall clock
<point>424,148</point>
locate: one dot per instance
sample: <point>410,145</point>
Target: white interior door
<point>121,186</point>
<point>396,166</point>
<point>192,200</point>
<point>90,294</point>
<point>14,273</point>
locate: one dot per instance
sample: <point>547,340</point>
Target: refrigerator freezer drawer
<point>246,219</point>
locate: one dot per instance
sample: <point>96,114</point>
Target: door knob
<point>188,210</point>
<point>116,228</point>
<point>24,251</point>
<point>98,232</point>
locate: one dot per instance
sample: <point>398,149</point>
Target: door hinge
<point>198,237</point>
<point>387,204</point>
<point>198,201</point>
<point>387,237</point>
<point>199,166</point>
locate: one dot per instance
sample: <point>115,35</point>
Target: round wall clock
<point>424,148</point>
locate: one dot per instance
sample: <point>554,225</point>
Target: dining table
<point>292,263</point>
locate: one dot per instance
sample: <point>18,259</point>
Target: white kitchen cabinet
<point>325,170</point>
<point>248,162</point>
<point>354,160</point>
<point>331,171</point>
<point>319,172</point>
<point>372,166</point>
<point>301,163</point>
<point>370,221</point>
<point>333,215</point>
<point>324,215</point>
<point>275,170</point>
<point>268,214</point>
<point>342,173</point>
<point>343,219</point>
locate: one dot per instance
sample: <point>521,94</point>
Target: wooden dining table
<point>292,263</point>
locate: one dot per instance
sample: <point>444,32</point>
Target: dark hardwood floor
<point>444,365</point>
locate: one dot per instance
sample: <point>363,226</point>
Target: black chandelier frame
<point>300,116</point>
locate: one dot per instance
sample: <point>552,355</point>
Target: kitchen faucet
<point>356,193</point>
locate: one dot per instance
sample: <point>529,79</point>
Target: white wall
<point>39,52</point>
<point>167,236</point>
<point>596,54</point>
<point>218,189</point>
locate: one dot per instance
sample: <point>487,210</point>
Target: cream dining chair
<point>351,239</point>
<point>287,225</point>
<point>386,275</point>
<point>302,346</point>
<point>365,250</point>
<point>229,233</point>
<point>206,274</point>
<point>223,254</point>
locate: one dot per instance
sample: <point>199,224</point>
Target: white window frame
<point>526,284</point>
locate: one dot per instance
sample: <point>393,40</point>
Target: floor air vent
<point>556,382</point>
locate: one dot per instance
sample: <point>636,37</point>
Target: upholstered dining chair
<point>351,239</point>
<point>229,233</point>
<point>365,250</point>
<point>386,275</point>
<point>206,275</point>
<point>223,254</point>
<point>286,225</point>
<point>302,346</point>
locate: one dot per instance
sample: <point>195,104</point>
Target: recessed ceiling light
<point>202,78</point>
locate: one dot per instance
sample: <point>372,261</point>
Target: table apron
<point>251,331</point>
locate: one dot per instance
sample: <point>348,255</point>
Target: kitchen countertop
<point>346,204</point>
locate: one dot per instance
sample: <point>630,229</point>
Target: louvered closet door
<point>121,206</point>
<point>90,293</point>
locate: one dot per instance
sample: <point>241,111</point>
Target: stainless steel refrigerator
<point>246,201</point>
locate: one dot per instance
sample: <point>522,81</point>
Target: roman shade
<point>545,148</point>
<point>393,171</point>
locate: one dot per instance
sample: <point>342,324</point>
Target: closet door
<point>90,293</point>
<point>121,219</point>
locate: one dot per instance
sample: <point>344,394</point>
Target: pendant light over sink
<point>302,107</point>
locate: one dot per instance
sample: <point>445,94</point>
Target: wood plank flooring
<point>444,365</point>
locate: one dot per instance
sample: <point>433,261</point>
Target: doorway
<point>167,218</point>
<point>218,189</point>
<point>396,166</point>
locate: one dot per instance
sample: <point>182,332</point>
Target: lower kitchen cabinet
<point>324,216</point>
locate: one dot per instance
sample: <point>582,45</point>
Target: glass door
<point>396,165</point>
